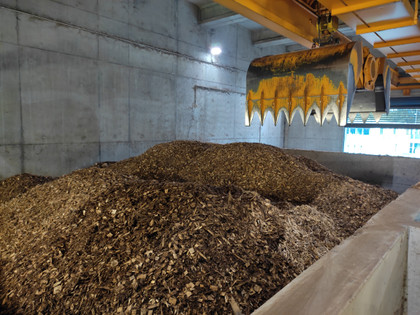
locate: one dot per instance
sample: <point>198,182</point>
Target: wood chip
<point>185,227</point>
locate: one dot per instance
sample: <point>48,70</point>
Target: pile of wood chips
<point>187,227</point>
<point>16,185</point>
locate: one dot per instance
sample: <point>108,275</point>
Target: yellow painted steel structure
<point>392,27</point>
<point>408,87</point>
<point>339,8</point>
<point>408,63</point>
<point>404,54</point>
<point>323,82</point>
<point>408,80</point>
<point>397,42</point>
<point>385,25</point>
<point>320,81</point>
<point>284,17</point>
<point>391,24</point>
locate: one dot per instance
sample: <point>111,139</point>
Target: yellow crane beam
<point>339,8</point>
<point>404,54</point>
<point>397,42</point>
<point>408,63</point>
<point>391,24</point>
<point>284,17</point>
<point>385,25</point>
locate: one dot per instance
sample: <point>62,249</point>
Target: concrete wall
<point>396,173</point>
<point>89,81</point>
<point>329,137</point>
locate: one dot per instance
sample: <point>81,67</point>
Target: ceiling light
<point>216,50</point>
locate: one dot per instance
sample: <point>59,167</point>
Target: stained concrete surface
<point>10,112</point>
<point>89,81</point>
<point>396,173</point>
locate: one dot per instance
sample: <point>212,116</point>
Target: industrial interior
<point>209,157</point>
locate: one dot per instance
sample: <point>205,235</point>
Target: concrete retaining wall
<point>396,173</point>
<point>329,137</point>
<point>89,81</point>
<point>372,272</point>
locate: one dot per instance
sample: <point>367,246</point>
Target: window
<point>396,116</point>
<point>382,141</point>
<point>397,134</point>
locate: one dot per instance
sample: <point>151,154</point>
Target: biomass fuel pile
<point>186,227</point>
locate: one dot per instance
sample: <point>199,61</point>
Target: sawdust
<point>187,227</point>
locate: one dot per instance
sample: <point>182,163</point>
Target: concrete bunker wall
<point>89,81</point>
<point>375,271</point>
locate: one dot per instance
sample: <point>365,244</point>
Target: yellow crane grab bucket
<point>320,81</point>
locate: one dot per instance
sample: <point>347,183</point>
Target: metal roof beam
<point>283,17</point>
<point>404,54</point>
<point>391,24</point>
<point>397,42</point>
<point>408,63</point>
<point>385,25</point>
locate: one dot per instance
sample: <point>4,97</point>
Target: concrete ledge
<point>365,274</point>
<point>413,271</point>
